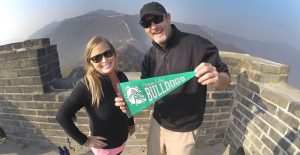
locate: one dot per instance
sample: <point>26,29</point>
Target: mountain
<point>46,30</point>
<point>274,51</point>
<point>129,52</point>
<point>72,34</point>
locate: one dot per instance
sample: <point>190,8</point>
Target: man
<point>177,116</point>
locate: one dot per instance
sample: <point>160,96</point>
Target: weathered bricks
<point>251,113</point>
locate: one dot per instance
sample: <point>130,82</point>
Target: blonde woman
<point>96,93</point>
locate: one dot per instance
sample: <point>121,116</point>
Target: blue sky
<point>266,20</point>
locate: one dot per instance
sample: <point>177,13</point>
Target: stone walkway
<point>10,148</point>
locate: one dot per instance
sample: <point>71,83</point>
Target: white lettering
<point>167,86</point>
<point>162,89</point>
<point>172,83</point>
<point>158,92</point>
<point>148,94</point>
<point>154,94</point>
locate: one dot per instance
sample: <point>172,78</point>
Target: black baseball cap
<point>153,8</point>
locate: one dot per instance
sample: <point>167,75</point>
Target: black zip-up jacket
<point>107,120</point>
<point>183,109</point>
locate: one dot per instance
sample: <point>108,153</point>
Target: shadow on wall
<point>21,127</point>
<point>291,136</point>
<point>2,136</point>
<point>244,121</point>
<point>256,125</point>
<point>70,81</point>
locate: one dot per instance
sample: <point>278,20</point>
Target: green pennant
<point>140,94</point>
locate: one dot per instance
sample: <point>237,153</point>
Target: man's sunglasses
<point>106,54</point>
<point>146,23</point>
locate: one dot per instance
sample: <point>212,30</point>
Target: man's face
<point>158,28</point>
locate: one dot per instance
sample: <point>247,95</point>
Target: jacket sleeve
<point>146,66</point>
<point>74,102</point>
<point>131,121</point>
<point>212,56</point>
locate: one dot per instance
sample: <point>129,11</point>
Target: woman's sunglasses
<point>106,54</point>
<point>146,23</point>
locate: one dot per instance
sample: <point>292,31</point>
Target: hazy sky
<point>266,20</point>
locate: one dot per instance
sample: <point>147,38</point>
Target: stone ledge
<point>33,43</point>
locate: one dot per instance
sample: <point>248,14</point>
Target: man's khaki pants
<point>166,142</point>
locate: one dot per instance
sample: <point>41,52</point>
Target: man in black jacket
<point>178,115</point>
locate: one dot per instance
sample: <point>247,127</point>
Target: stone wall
<point>258,104</point>
<point>27,106</point>
<point>266,112</point>
<point>28,67</point>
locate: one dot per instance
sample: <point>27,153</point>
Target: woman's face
<point>103,58</point>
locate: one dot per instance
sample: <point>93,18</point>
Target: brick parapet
<point>265,114</point>
<point>33,43</point>
<point>258,69</point>
<point>258,112</point>
<point>32,63</point>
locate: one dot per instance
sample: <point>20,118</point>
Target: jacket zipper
<point>166,60</point>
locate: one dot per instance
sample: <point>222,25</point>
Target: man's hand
<point>208,75</point>
<point>119,103</point>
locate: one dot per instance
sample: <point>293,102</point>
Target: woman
<point>96,92</point>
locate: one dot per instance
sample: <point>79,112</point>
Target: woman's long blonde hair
<point>92,77</point>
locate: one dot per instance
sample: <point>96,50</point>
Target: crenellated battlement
<point>259,112</point>
<point>29,66</point>
<point>265,114</point>
<point>32,44</point>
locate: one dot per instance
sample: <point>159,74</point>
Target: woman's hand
<point>131,130</point>
<point>95,141</point>
<point>120,103</point>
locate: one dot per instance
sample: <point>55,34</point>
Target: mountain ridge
<point>274,51</point>
<point>72,34</point>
